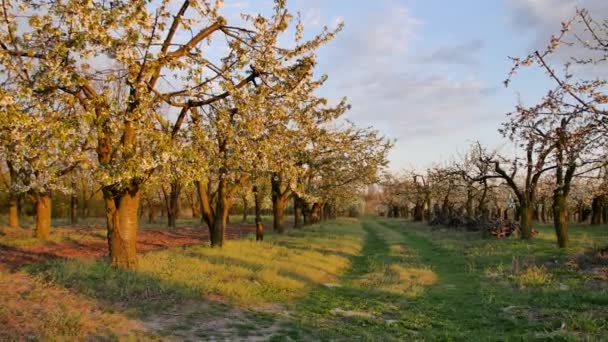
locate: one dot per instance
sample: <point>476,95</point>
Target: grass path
<point>401,286</point>
<point>406,286</point>
<point>456,304</point>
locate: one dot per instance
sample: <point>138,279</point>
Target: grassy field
<point>373,279</point>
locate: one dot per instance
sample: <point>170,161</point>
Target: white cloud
<point>543,18</point>
<point>375,64</point>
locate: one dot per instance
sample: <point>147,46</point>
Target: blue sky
<point>429,73</point>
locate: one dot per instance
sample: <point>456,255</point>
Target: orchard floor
<point>369,279</point>
<point>88,240</point>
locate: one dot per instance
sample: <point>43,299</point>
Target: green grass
<point>374,279</point>
<point>460,295</point>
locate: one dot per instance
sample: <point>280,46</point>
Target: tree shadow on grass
<point>256,267</point>
<point>340,312</point>
<point>138,294</point>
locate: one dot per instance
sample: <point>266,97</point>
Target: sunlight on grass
<point>244,273</point>
<point>533,276</point>
<point>407,281</point>
<point>402,272</point>
<point>250,273</point>
<point>397,250</point>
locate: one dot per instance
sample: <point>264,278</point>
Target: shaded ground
<point>89,241</point>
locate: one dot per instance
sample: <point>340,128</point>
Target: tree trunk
<point>259,227</point>
<point>74,202</point>
<point>306,212</point>
<point>162,199</point>
<point>191,203</point>
<point>559,220</point>
<point>525,219</point>
<point>279,201</point>
<point>172,203</point>
<point>122,222</point>
<point>217,233</point>
<point>427,211</point>
<point>84,209</point>
<point>150,207</point>
<point>297,212</point>
<point>245,207</point>
<point>215,219</point>
<point>469,203</point>
<point>315,212</point>
<point>543,212</point>
<point>13,212</point>
<point>597,210</point>
<point>418,211</point>
<point>43,216</point>
<point>278,212</point>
